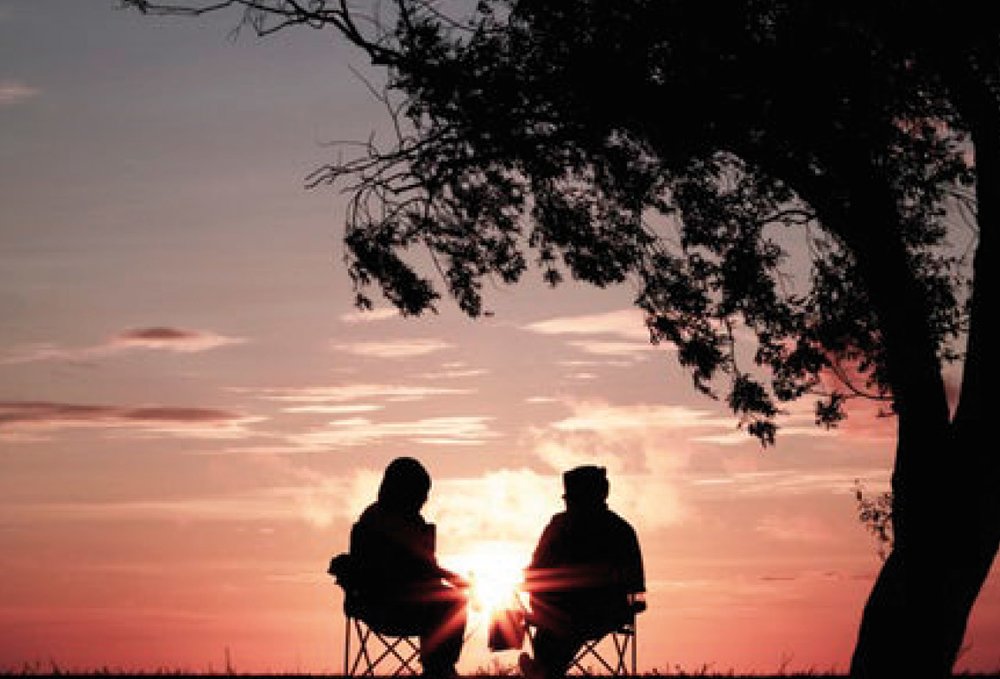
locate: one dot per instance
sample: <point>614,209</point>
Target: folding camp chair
<point>615,653</point>
<point>612,653</point>
<point>371,650</point>
<point>396,655</point>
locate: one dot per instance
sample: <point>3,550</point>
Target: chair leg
<point>621,653</point>
<point>635,650</point>
<point>364,634</point>
<point>404,662</point>
<point>347,646</point>
<point>590,650</point>
<point>366,660</point>
<point>624,655</point>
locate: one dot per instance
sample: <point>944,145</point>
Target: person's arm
<point>539,575</point>
<point>428,554</point>
<point>635,578</point>
<point>453,578</point>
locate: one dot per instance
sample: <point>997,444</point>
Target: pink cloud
<point>618,334</point>
<point>612,348</point>
<point>369,316</point>
<point>154,337</point>
<point>347,393</point>
<point>13,92</point>
<point>22,417</point>
<point>393,349</point>
<point>359,431</point>
<point>172,339</point>
<point>454,370</point>
<point>625,323</point>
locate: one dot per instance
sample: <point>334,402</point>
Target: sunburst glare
<point>495,570</point>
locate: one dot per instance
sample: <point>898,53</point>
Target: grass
<point>494,671</point>
<point>705,672</point>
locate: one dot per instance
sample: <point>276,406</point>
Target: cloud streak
<point>359,431</point>
<point>453,371</point>
<point>612,348</point>
<point>599,417</point>
<point>160,338</point>
<point>172,339</point>
<point>393,349</point>
<point>36,417</point>
<point>614,334</point>
<point>375,315</point>
<point>788,482</point>
<point>13,93</point>
<point>346,393</point>
<point>625,323</point>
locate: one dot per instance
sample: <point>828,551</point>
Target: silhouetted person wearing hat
<point>392,550</point>
<point>585,576</point>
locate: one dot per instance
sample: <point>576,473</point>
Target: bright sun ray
<point>495,570</point>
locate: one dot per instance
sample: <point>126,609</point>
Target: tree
<point>674,145</point>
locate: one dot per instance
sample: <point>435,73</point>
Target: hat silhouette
<point>587,483</point>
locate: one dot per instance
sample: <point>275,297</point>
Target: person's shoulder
<point>558,519</point>
<point>372,513</point>
<point>619,521</point>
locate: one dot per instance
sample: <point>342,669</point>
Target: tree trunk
<point>946,487</point>
<point>980,522</point>
<point>902,630</point>
<point>915,619</point>
<point>945,482</point>
<point>916,615</point>
<point>919,603</point>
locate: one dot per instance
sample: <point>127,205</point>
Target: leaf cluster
<point>674,146</point>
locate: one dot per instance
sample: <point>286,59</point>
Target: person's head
<point>405,485</point>
<point>585,486</point>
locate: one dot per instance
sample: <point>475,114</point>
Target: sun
<point>495,570</point>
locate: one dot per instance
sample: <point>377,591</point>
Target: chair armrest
<point>341,568</point>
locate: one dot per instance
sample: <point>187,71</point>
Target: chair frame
<point>626,653</point>
<point>403,649</point>
<point>623,639</point>
<point>392,645</point>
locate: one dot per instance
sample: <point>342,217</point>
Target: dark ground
<point>707,674</point>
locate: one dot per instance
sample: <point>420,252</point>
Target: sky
<point>192,413</point>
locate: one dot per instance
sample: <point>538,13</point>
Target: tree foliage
<point>875,513</point>
<point>666,145</point>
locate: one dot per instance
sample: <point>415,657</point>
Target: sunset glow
<point>193,413</point>
<point>495,571</point>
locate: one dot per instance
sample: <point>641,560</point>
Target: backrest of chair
<point>345,573</point>
<point>358,605</point>
<point>341,568</point>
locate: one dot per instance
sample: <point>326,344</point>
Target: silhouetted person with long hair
<point>404,588</point>
<point>585,578</point>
